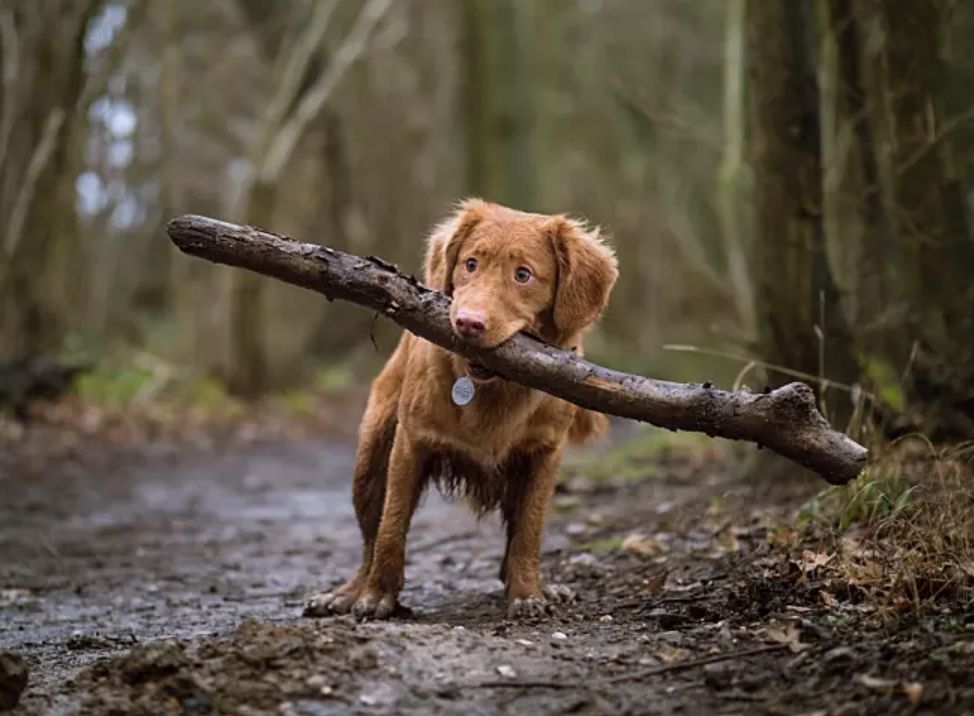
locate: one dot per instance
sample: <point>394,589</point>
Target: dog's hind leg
<point>524,510</point>
<point>376,434</point>
<point>513,475</point>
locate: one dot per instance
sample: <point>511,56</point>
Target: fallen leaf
<point>782,536</point>
<point>642,546</point>
<point>728,543</point>
<point>913,691</point>
<point>811,561</point>
<point>787,633</point>
<point>656,582</point>
<point>864,574</point>
<point>902,604</point>
<point>671,654</point>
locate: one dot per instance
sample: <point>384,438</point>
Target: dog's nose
<point>470,324</point>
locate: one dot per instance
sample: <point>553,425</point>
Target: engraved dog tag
<point>463,390</point>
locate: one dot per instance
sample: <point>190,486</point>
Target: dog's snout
<point>470,324</point>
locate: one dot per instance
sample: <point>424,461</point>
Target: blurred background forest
<point>787,182</point>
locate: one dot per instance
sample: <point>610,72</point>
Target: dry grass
<point>903,533</point>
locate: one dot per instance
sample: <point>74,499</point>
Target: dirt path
<point>200,560</point>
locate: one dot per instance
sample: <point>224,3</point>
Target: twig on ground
<point>440,541</point>
<point>635,675</point>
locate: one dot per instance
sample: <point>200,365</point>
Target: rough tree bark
<point>897,230</point>
<point>794,291</point>
<point>785,420</point>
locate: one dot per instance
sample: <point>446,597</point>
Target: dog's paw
<point>375,604</point>
<point>540,606</point>
<point>559,594</point>
<point>529,608</point>
<point>328,603</point>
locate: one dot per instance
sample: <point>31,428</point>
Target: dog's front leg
<point>522,562</point>
<point>404,486</point>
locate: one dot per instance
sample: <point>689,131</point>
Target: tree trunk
<point>799,323</point>
<point>498,103</point>
<point>43,42</point>
<point>730,194</point>
<point>248,376</point>
<point>897,233</point>
<point>936,256</point>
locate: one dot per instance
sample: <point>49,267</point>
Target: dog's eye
<point>522,274</point>
<point>471,265</point>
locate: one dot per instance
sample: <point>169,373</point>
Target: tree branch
<point>10,49</point>
<point>785,420</point>
<point>310,105</point>
<point>288,81</point>
<point>35,167</point>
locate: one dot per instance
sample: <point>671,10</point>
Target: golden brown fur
<point>506,271</point>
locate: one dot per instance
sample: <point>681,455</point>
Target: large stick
<point>785,420</point>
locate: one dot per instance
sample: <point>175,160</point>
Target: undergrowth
<point>137,396</point>
<point>903,532</point>
<point>897,539</point>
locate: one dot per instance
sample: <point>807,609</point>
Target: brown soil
<point>170,580</point>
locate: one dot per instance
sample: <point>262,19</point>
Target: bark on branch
<point>785,420</point>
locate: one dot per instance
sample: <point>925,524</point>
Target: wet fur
<point>503,449</point>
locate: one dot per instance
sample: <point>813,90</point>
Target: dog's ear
<point>444,243</point>
<point>587,270</point>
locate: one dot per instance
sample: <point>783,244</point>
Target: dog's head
<point>509,271</point>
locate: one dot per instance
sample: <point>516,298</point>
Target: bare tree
<point>295,103</point>
<point>41,67</point>
<point>730,194</point>
<point>897,233</point>
<point>498,103</point>
<point>799,323</point>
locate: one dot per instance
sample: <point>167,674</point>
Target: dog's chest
<point>491,426</point>
<point>487,429</point>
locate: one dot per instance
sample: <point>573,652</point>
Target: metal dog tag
<point>463,390</point>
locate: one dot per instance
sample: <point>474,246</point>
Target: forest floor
<point>168,577</point>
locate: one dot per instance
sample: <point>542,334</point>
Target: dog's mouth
<point>479,373</point>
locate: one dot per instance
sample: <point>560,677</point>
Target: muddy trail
<point>171,580</point>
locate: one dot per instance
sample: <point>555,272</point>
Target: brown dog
<point>507,271</point>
